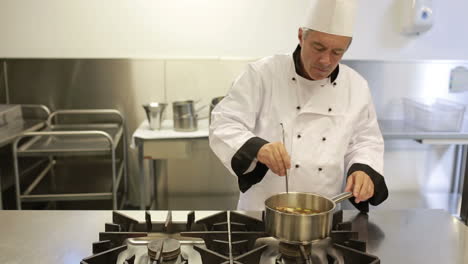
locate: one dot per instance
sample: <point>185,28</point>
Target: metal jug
<point>185,115</point>
<point>155,114</point>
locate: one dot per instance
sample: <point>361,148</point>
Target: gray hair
<point>305,32</point>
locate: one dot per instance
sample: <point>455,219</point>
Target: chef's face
<point>321,52</point>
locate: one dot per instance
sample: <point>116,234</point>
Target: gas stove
<point>228,237</point>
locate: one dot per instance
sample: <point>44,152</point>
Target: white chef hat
<point>332,16</point>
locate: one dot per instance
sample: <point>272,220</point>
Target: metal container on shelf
<point>155,114</point>
<point>185,115</point>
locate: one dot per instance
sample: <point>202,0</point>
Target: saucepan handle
<point>196,111</point>
<point>342,196</point>
<point>200,108</point>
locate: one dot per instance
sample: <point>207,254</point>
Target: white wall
<point>143,28</point>
<point>187,28</point>
<point>377,35</point>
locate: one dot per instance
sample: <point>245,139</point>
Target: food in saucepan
<point>296,210</point>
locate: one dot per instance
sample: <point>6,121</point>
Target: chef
<point>306,115</point>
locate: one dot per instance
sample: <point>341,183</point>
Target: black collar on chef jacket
<point>300,72</point>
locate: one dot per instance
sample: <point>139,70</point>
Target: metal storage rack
<point>92,138</point>
<point>34,118</point>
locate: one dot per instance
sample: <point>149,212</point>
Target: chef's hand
<point>275,157</point>
<point>361,185</point>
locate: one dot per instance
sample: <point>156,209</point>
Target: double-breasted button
<point>329,109</point>
<point>298,107</point>
<point>299,136</point>
<point>297,165</point>
<point>293,78</point>
<point>324,138</point>
<point>319,169</point>
<point>334,83</point>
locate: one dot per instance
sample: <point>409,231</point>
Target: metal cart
<point>33,118</point>
<point>93,137</point>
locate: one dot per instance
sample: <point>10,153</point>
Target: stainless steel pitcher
<point>155,114</point>
<point>185,115</point>
<point>185,118</point>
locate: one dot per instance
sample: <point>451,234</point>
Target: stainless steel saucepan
<point>301,228</point>
<point>186,116</point>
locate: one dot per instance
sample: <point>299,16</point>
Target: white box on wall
<point>417,16</point>
<point>458,79</point>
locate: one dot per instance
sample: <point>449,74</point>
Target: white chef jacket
<point>329,125</point>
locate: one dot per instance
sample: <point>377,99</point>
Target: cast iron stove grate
<point>229,237</point>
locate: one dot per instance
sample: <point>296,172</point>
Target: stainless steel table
<point>397,129</point>
<point>158,146</point>
<point>395,236</point>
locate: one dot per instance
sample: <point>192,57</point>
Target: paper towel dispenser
<point>417,16</point>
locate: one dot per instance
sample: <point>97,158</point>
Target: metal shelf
<point>65,140</point>
<point>10,132</point>
<point>27,166</point>
<point>398,129</point>
<point>34,117</point>
<point>95,137</point>
<point>70,181</point>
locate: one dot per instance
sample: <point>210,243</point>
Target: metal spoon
<point>285,169</point>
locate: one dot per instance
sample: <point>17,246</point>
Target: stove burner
<point>294,251</point>
<point>165,249</point>
<point>228,237</point>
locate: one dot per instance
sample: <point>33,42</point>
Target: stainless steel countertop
<point>395,236</point>
<point>412,236</point>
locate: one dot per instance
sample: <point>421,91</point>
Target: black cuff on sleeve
<point>380,188</point>
<point>243,158</point>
